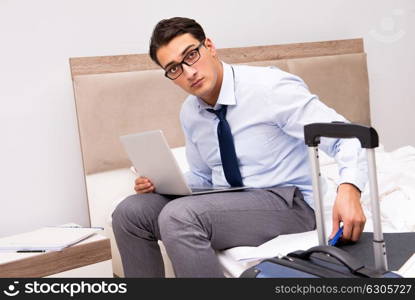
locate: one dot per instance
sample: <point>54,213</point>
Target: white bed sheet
<point>396,180</point>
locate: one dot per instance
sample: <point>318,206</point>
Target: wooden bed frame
<point>140,62</point>
<point>334,70</point>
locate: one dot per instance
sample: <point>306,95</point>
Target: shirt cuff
<point>355,176</point>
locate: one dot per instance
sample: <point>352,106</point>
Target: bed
<point>116,95</point>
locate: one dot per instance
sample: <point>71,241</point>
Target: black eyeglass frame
<point>180,64</point>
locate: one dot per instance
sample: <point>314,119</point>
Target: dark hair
<point>168,29</point>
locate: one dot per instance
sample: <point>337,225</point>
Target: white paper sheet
<point>46,238</point>
<point>280,245</point>
<point>408,268</point>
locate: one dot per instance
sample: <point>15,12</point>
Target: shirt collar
<point>227,90</point>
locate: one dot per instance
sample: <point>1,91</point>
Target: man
<point>243,126</point>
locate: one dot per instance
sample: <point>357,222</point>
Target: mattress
<point>396,177</point>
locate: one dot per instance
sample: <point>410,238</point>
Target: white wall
<point>41,172</point>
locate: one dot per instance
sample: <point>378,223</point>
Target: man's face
<point>200,79</point>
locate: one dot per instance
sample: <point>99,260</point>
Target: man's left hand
<point>347,209</point>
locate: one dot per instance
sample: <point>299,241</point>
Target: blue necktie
<point>227,149</point>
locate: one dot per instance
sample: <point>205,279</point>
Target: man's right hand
<point>143,185</point>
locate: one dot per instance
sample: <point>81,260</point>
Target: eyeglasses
<point>174,71</point>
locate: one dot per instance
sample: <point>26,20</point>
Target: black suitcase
<point>323,260</point>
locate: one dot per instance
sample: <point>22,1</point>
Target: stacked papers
<point>236,260</point>
<point>46,239</point>
<point>281,245</point>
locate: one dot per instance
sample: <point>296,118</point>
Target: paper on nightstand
<point>46,238</point>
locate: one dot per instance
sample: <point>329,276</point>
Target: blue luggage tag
<point>334,241</point>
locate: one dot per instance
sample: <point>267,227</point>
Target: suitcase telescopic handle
<point>367,136</point>
<point>369,139</point>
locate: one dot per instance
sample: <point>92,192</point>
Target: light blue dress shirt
<point>267,110</point>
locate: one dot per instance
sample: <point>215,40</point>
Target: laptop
<point>151,157</point>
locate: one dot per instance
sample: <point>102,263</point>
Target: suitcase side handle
<point>367,136</point>
<point>342,256</point>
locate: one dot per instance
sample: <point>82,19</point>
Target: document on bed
<point>281,245</point>
<point>408,268</point>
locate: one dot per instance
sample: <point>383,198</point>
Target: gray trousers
<point>193,227</point>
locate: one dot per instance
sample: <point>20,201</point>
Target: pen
<point>335,239</point>
<point>29,251</point>
<point>102,228</point>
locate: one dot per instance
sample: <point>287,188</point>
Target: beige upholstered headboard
<point>117,95</point>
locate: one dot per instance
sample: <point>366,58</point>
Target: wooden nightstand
<point>89,258</point>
